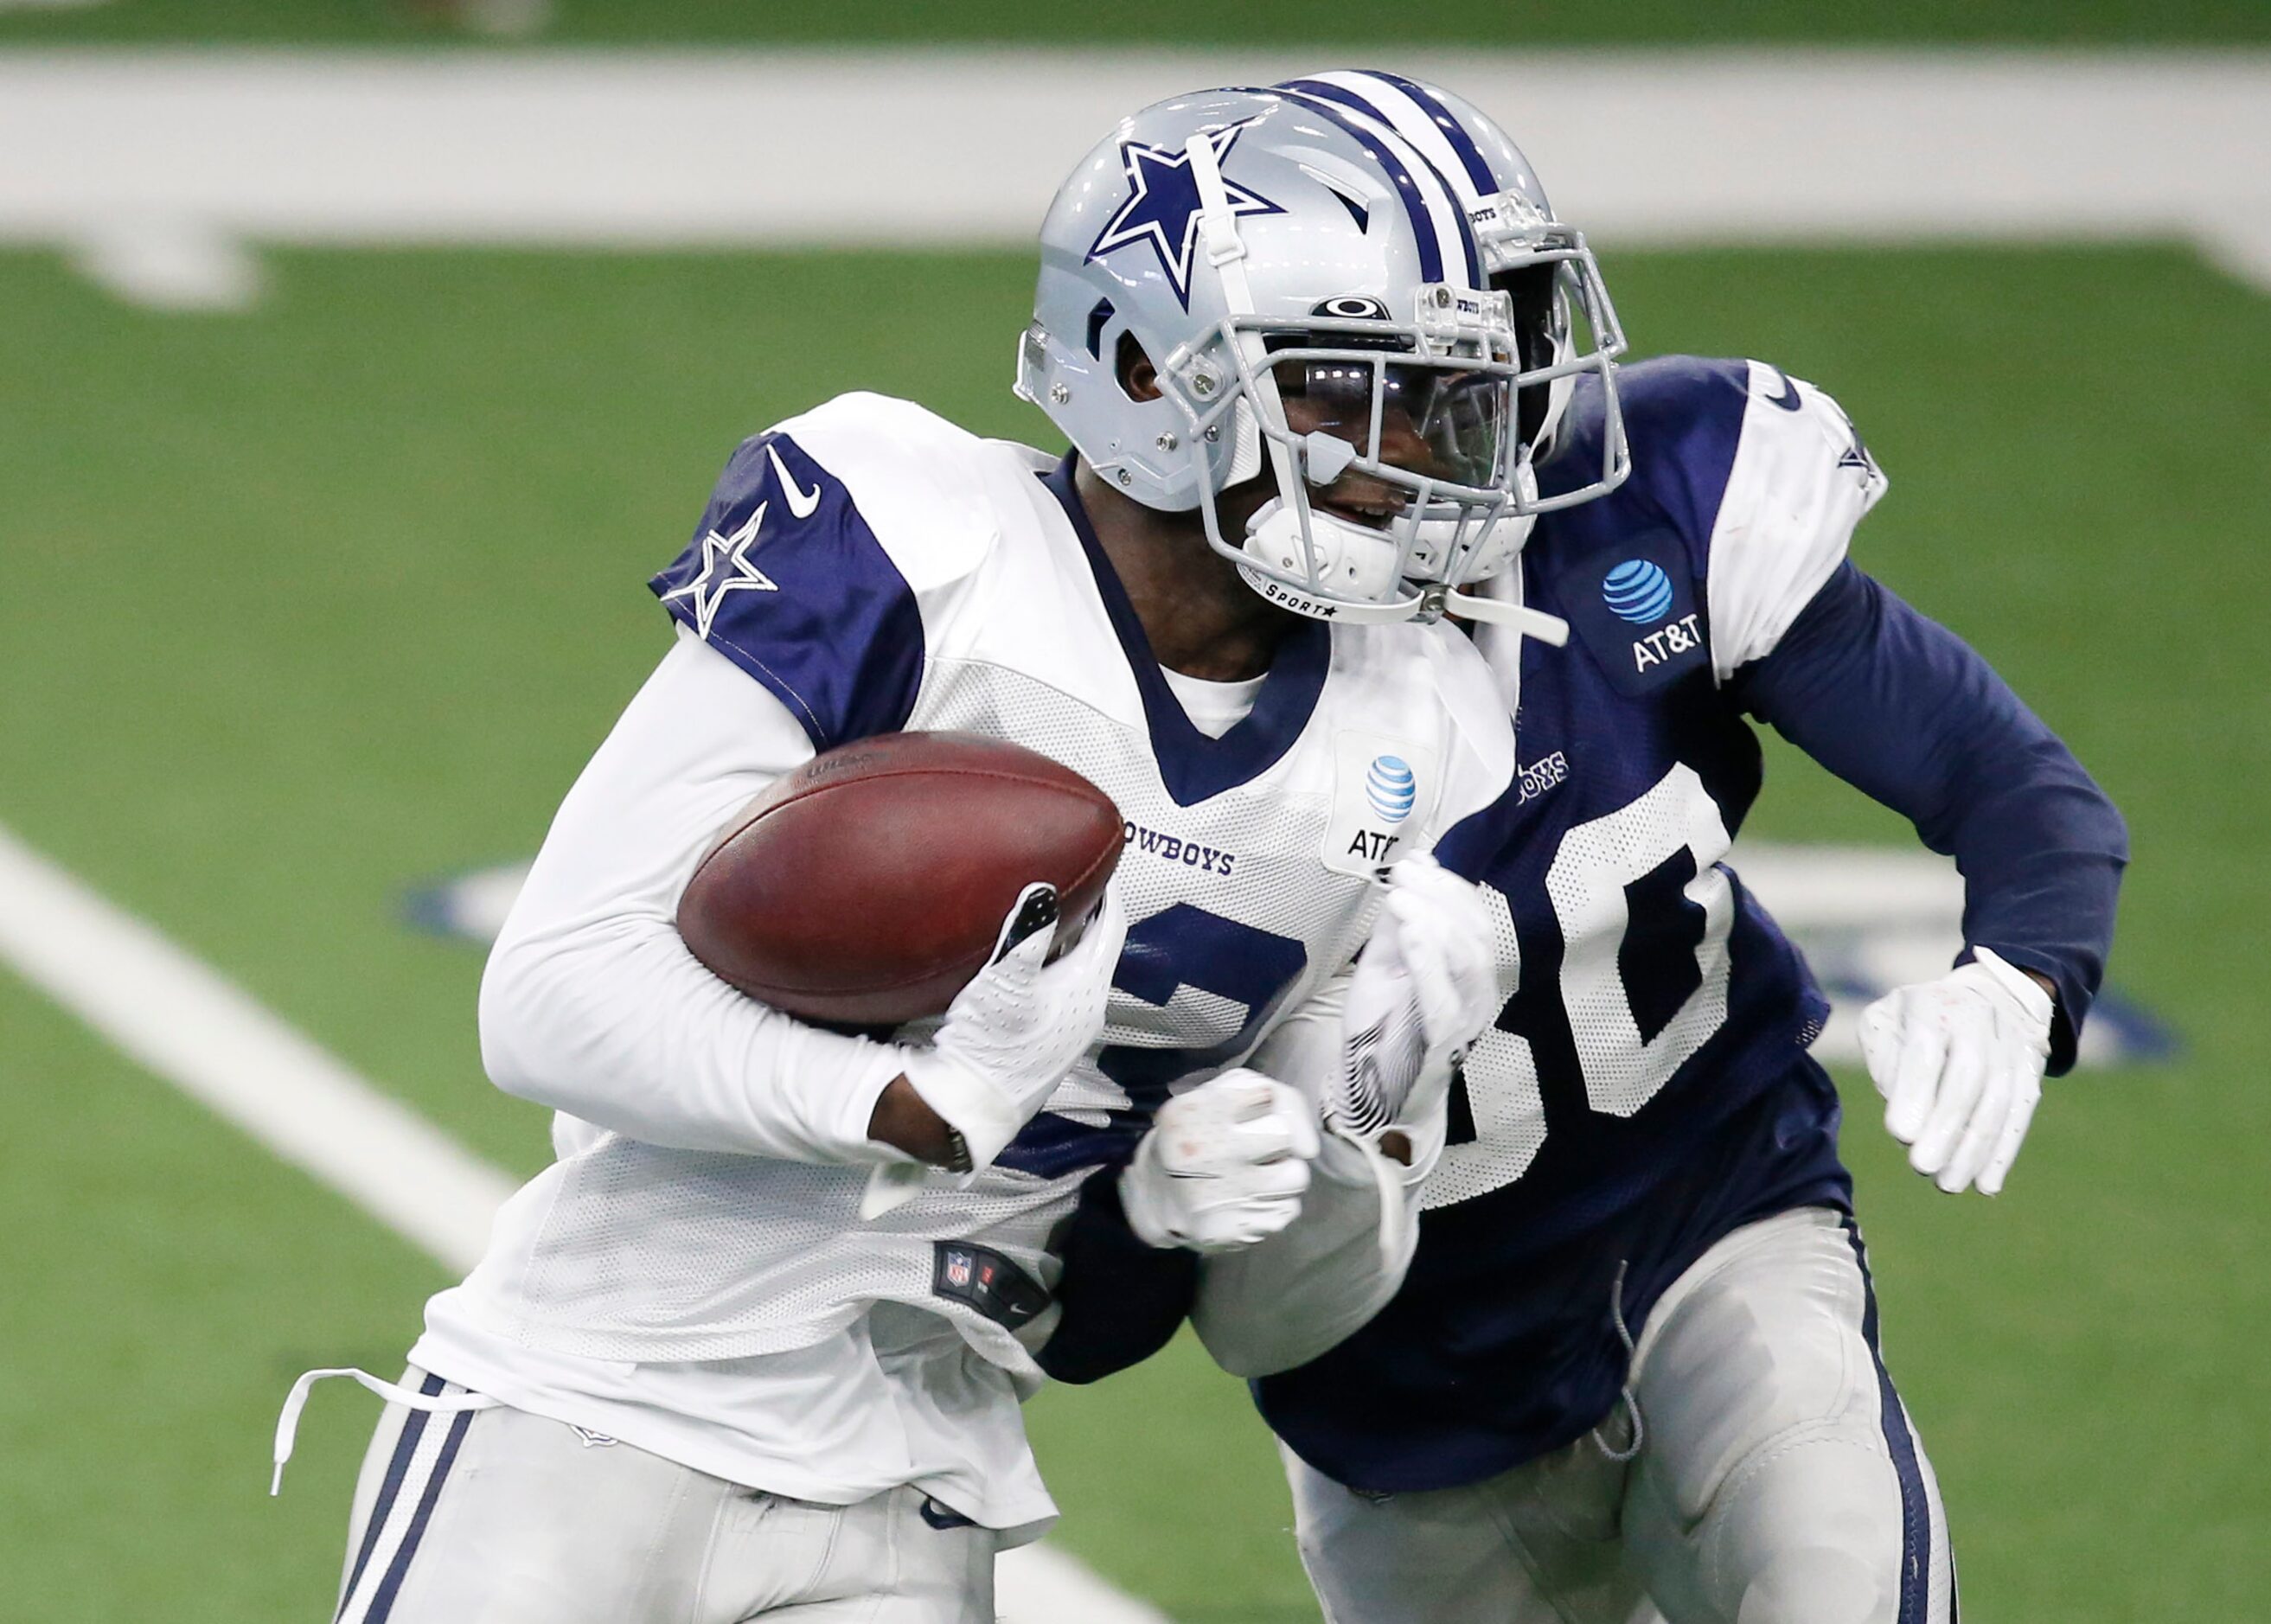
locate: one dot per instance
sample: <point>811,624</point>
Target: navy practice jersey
<point>1646,1088</point>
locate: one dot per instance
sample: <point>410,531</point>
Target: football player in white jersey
<point>755,1343</point>
<point>1633,1370</point>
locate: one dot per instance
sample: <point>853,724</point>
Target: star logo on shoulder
<point>726,568</point>
<point>1162,208</point>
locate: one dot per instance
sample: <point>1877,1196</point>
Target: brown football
<point>868,886</point>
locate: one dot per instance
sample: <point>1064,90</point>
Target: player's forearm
<point>1120,1298</point>
<point>624,1029</point>
<point>1301,1292</point>
<point>1902,709</point>
<point>592,1003</point>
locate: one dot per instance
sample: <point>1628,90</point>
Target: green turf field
<point>312,604</point>
<point>1165,22</point>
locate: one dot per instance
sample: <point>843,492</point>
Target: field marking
<point>170,265</point>
<point>185,1022</point>
<point>582,148</point>
<point>189,1025</point>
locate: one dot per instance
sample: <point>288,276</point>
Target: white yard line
<point>1037,1584</point>
<point>191,1026</point>
<point>566,148</point>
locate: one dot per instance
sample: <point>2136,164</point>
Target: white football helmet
<point>1268,247</point>
<point>1527,252</point>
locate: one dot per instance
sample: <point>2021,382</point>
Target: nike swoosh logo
<point>801,503</point>
<point>1787,400</point>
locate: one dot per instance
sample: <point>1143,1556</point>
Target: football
<point>868,886</point>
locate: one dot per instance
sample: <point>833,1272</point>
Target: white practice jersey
<point>864,567</point>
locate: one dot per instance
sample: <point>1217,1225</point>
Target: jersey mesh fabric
<point>1480,1164</point>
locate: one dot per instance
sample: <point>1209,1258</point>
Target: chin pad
<point>1352,561</point>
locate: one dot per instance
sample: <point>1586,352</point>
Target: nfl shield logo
<point>980,1278</point>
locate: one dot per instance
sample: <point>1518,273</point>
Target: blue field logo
<point>1637,591</point>
<point>1391,788</point>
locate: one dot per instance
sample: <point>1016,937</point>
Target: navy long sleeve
<point>1904,710</point>
<point>1123,1299</point>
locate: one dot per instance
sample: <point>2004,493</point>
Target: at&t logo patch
<point>1637,591</point>
<point>1385,786</point>
<point>1391,788</point>
<point>1673,637</point>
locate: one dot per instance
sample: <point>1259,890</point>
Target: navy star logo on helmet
<point>1163,207</point>
<point>1373,352</point>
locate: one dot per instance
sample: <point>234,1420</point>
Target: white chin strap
<point>1273,536</point>
<point>1500,604</point>
<point>1226,252</point>
<point>1548,629</point>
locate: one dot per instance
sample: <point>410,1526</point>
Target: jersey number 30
<point>1589,886</point>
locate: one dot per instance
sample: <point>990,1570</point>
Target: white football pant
<point>497,1516</point>
<point>1777,1480</point>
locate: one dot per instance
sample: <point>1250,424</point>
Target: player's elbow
<point>2114,829</point>
<point>528,1023</point>
<point>2080,818</point>
<point>506,1051</point>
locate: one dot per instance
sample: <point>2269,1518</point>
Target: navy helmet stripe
<point>1478,169</point>
<point>1402,126</point>
<point>406,1445</point>
<point>1916,1506</point>
<point>1329,90</point>
<point>1311,89</point>
<point>1321,97</point>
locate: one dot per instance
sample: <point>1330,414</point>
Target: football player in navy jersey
<point>1633,1371</point>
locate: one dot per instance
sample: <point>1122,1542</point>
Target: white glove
<point>1960,1063</point>
<point>1426,986</point>
<point>1010,1035</point>
<point>1224,1165</point>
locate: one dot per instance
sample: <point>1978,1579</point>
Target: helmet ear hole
<point>1132,369</point>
